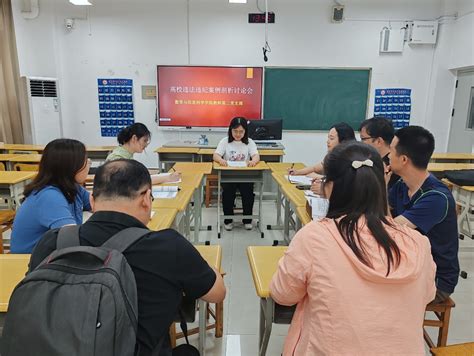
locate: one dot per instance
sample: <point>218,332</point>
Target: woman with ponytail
<point>134,139</point>
<point>361,282</point>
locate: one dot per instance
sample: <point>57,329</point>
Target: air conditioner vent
<point>43,88</point>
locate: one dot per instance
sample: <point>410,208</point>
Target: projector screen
<point>198,96</point>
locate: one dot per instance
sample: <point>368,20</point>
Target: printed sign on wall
<point>115,105</point>
<point>394,104</point>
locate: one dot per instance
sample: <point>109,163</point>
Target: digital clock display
<point>260,18</point>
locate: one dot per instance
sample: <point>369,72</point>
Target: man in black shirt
<point>164,263</point>
<point>378,132</point>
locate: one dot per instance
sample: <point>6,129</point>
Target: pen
<point>292,165</point>
<point>174,170</point>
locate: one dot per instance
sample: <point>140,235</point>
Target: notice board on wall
<point>115,105</point>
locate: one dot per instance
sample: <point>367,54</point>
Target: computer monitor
<point>265,129</point>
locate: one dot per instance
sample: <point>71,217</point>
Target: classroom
<point>294,122</point>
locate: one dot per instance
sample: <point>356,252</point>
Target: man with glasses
<point>164,263</point>
<point>378,132</point>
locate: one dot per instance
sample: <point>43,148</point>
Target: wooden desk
<point>33,159</point>
<point>443,167</point>
<point>196,180</point>
<point>181,203</point>
<point>283,167</point>
<point>21,147</point>
<point>464,197</point>
<point>240,175</point>
<point>292,199</point>
<point>263,262</point>
<point>204,167</point>
<point>466,349</point>
<point>99,153</point>
<point>303,216</point>
<point>452,157</point>
<point>167,156</point>
<point>265,155</point>
<point>13,268</point>
<point>213,256</point>
<point>12,185</point>
<point>5,159</point>
<point>162,219</point>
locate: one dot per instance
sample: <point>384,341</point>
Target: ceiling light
<point>80,2</point>
<point>238,1</point>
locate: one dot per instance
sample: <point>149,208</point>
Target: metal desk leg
<point>266,320</point>
<point>197,213</point>
<point>202,326</point>
<point>286,221</point>
<point>260,224</point>
<point>219,178</point>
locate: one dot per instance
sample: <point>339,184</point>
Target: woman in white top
<point>237,147</point>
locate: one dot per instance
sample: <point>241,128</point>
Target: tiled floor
<point>241,308</point>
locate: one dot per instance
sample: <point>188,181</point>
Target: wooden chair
<point>26,167</point>
<point>6,222</point>
<point>13,268</point>
<point>442,312</point>
<point>466,349</point>
<point>211,184</point>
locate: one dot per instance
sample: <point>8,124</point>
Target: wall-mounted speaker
<point>338,14</point>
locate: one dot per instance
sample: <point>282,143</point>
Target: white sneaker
<point>248,226</point>
<point>229,226</point>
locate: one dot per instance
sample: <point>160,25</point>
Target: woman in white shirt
<point>237,147</point>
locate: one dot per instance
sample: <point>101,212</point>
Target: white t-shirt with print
<point>236,150</point>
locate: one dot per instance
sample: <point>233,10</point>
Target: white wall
<point>127,39</point>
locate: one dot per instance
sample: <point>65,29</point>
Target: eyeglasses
<point>151,194</point>
<point>366,138</point>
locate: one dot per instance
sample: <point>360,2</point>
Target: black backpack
<point>80,300</point>
<point>461,177</point>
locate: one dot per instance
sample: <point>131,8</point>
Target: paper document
<point>319,207</point>
<point>165,192</point>
<point>164,195</point>
<point>241,164</point>
<point>165,188</point>
<point>309,193</point>
<point>303,180</point>
<point>165,175</point>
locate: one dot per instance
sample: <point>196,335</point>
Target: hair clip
<point>358,164</point>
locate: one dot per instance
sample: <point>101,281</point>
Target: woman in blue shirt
<point>55,197</point>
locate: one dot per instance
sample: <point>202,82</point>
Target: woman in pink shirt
<point>361,282</point>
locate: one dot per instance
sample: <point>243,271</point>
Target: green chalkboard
<point>316,98</point>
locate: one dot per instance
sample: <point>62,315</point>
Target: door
<point>461,137</point>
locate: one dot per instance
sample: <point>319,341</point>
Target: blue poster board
<point>394,104</point>
<point>115,105</point>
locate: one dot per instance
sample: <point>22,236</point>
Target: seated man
<point>422,202</point>
<point>378,132</point>
<point>164,263</point>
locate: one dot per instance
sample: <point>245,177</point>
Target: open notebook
<point>303,180</point>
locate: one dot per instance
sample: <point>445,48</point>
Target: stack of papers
<point>303,180</point>
<point>319,207</point>
<point>165,192</point>
<point>165,175</point>
<point>240,164</point>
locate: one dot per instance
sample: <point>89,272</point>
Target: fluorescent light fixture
<point>238,1</point>
<point>80,2</point>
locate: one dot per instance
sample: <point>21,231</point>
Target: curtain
<point>10,119</point>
